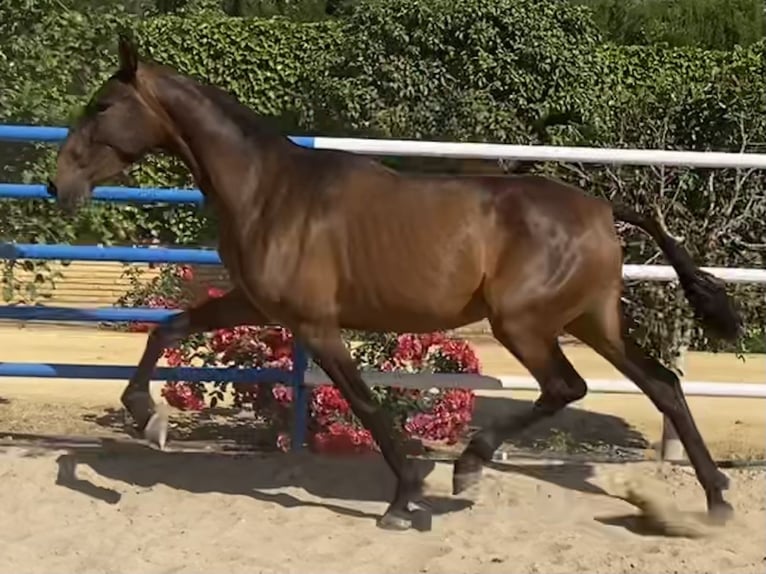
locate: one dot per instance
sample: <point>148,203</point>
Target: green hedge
<point>485,69</point>
<point>709,24</point>
<point>491,70</point>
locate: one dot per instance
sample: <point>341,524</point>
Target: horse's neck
<point>213,153</point>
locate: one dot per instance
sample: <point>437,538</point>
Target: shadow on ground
<point>572,431</point>
<point>305,479</point>
<point>287,479</point>
<point>327,481</point>
<point>225,425</point>
<point>330,480</point>
<point>360,477</point>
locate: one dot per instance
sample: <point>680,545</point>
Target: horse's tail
<point>706,293</point>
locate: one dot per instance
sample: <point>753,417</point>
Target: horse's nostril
<point>51,189</point>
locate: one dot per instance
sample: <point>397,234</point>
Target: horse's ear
<point>128,56</point>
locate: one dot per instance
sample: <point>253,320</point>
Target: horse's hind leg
<point>230,310</point>
<point>602,329</point>
<point>560,384</point>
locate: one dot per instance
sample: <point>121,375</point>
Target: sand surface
<point>127,508</point>
<point>145,511</point>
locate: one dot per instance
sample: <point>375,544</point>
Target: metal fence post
<point>300,396</point>
<point>672,449</point>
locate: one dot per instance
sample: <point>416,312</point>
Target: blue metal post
<point>300,396</point>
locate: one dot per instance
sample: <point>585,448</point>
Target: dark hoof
<point>156,431</point>
<point>722,481</point>
<point>720,513</point>
<point>67,473</point>
<point>464,481</point>
<point>466,472</point>
<point>417,517</point>
<point>140,406</point>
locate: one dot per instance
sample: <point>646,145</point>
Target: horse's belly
<point>415,319</point>
<point>418,299</point>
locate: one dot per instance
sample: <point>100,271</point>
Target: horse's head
<point>115,130</point>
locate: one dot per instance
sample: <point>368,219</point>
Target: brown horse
<point>319,241</point>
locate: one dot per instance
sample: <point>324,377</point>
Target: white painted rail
<point>522,383</point>
<point>634,156</point>
<point>477,150</point>
<point>667,273</point>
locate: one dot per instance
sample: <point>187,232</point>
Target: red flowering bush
<point>435,414</point>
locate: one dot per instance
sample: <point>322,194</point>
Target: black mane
<point>243,117</point>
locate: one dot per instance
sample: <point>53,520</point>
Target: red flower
<point>282,394</point>
<point>185,273</point>
<point>139,327</point>
<point>283,442</point>
<point>215,292</point>
<point>182,396</point>
<point>174,357</point>
<point>343,439</point>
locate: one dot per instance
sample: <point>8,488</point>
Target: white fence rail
<point>634,156</point>
<point>525,383</point>
<point>667,273</point>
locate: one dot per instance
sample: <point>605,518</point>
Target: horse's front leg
<point>230,310</point>
<point>330,353</point>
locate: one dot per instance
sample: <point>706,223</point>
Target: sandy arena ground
<point>106,506</point>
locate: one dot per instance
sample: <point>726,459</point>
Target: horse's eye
<point>101,106</point>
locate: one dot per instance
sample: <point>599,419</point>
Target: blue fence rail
<point>102,253</point>
<point>12,251</point>
<point>116,194</point>
<point>55,134</point>
<point>100,315</point>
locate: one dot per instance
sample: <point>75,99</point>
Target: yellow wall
<point>84,284</point>
<point>100,284</point>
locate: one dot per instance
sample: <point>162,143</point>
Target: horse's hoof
<point>466,471</point>
<point>67,472</point>
<point>417,517</point>
<point>720,513</point>
<point>156,431</point>
<point>464,480</point>
<point>422,518</point>
<point>722,481</point>
<point>392,521</point>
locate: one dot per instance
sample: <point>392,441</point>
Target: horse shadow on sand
<point>335,483</point>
